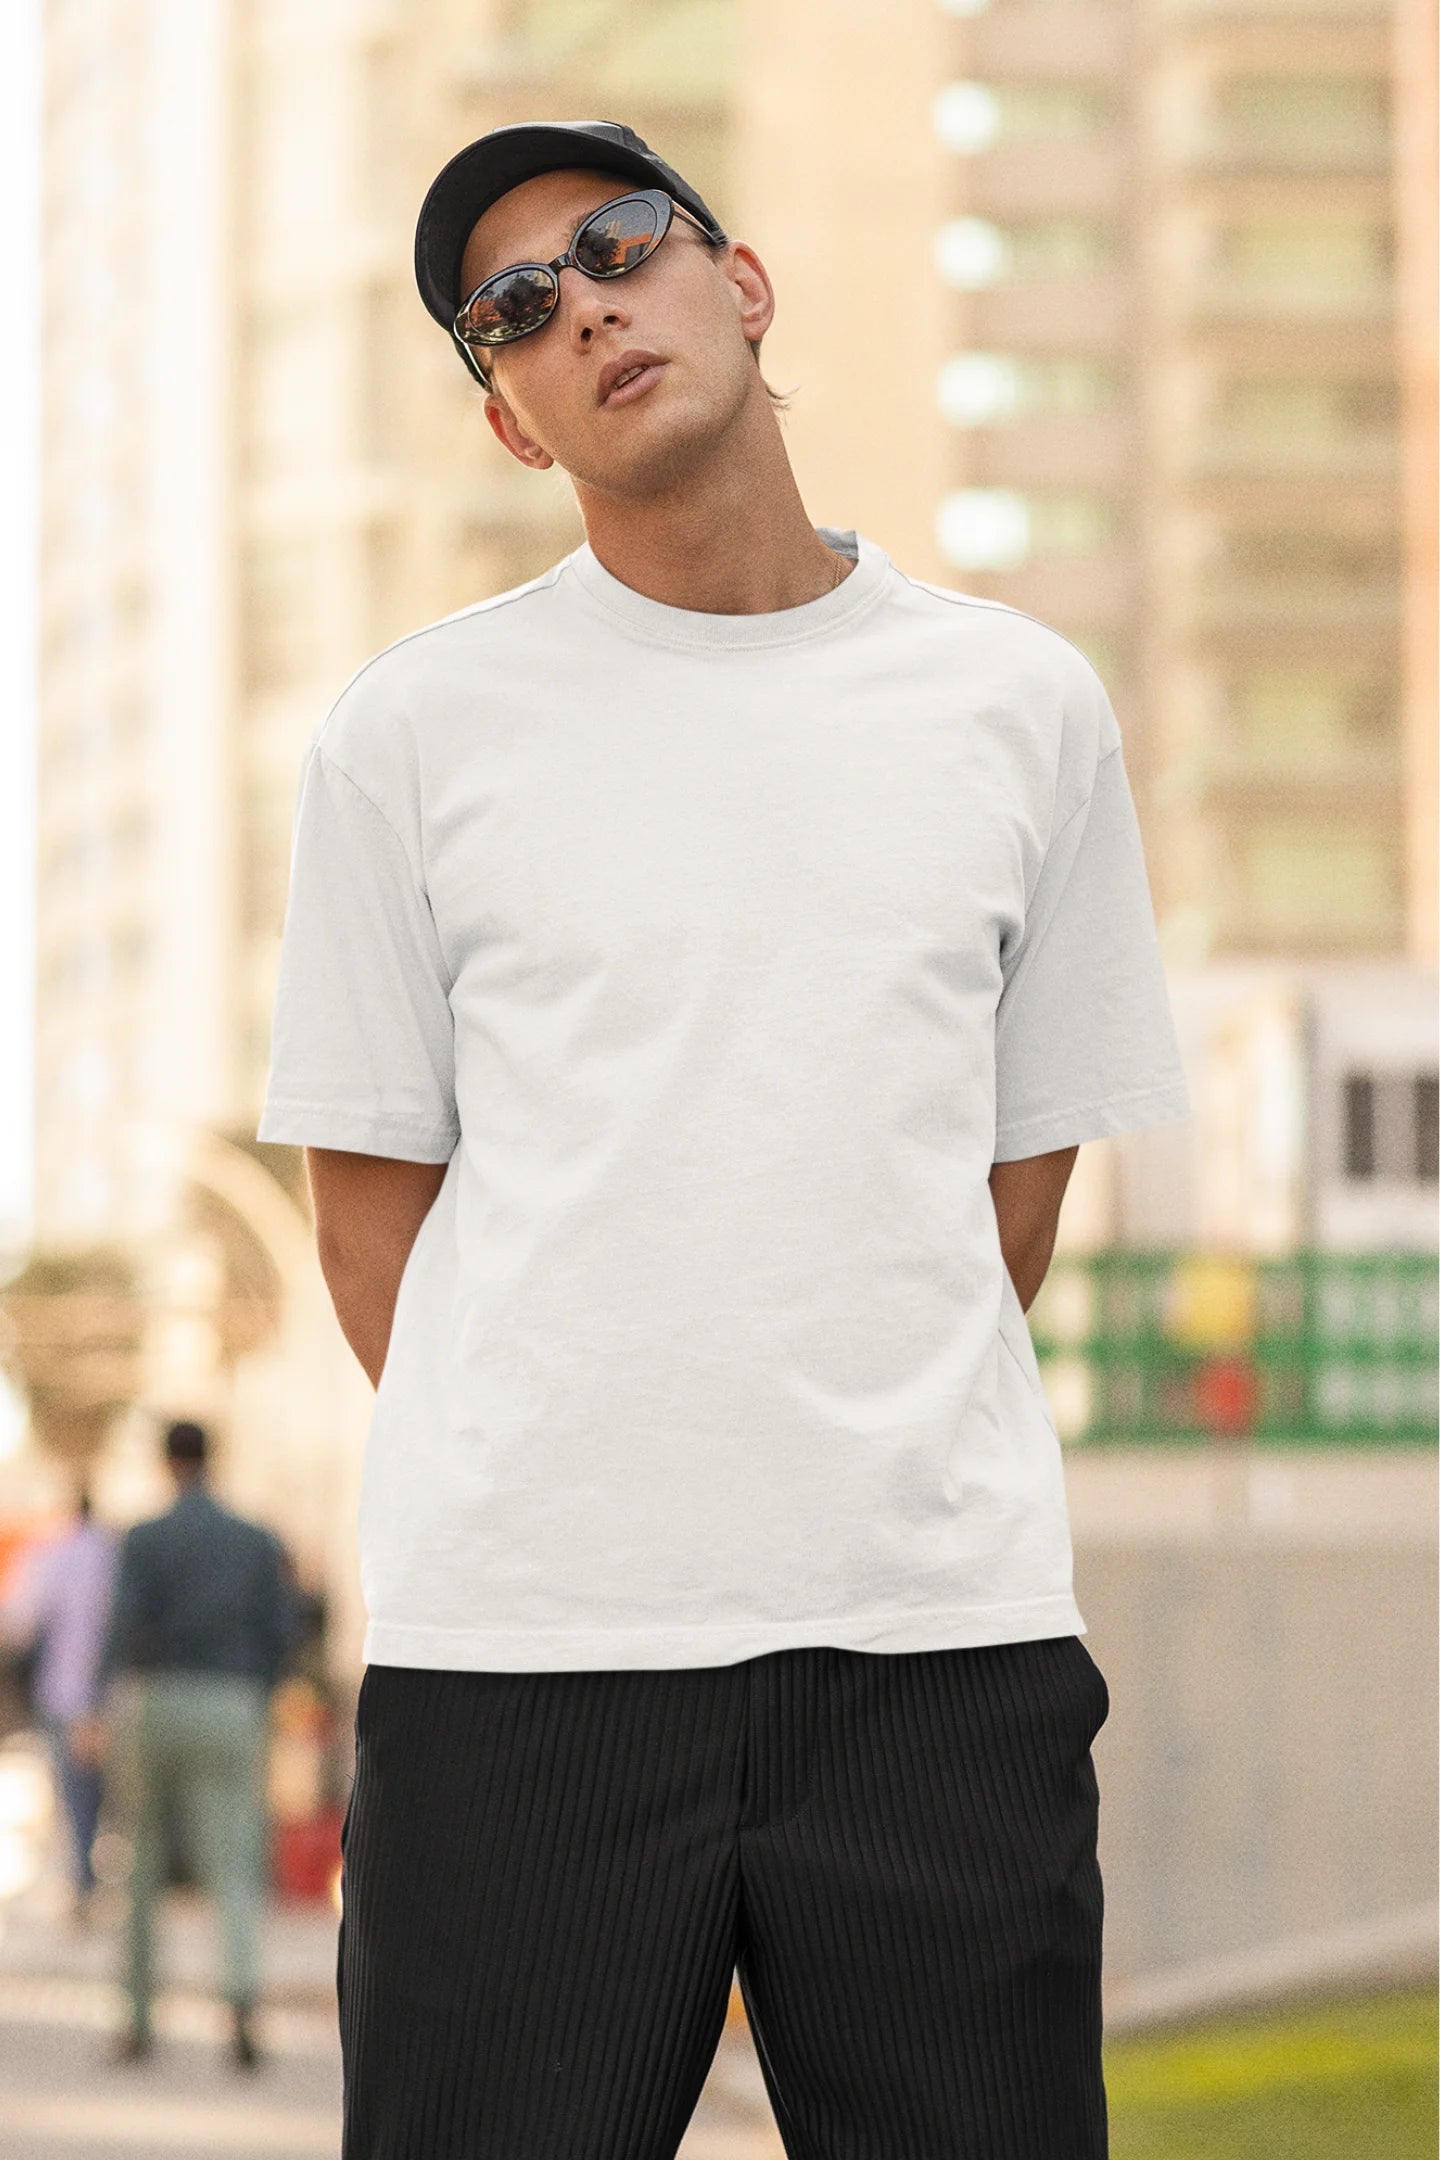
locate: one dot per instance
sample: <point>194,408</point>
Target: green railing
<point>1312,1348</point>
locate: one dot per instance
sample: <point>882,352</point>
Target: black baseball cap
<point>488,168</point>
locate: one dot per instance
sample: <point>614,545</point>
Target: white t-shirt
<point>717,957</point>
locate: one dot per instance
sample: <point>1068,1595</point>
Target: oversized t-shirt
<point>717,957</point>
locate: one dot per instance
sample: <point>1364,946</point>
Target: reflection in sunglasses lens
<point>518,301</point>
<point>618,240</point>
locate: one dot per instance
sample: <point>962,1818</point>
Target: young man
<point>702,964</point>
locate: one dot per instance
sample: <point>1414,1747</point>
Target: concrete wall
<point>1267,1626</point>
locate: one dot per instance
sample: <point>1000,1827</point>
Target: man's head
<point>699,301</point>
<point>702,309</point>
<point>186,1447</point>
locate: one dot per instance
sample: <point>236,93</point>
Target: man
<point>60,1603</point>
<point>202,1619</point>
<point>701,965</point>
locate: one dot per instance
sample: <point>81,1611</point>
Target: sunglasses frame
<point>657,198</point>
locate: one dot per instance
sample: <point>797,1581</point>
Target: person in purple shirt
<point>60,1602</point>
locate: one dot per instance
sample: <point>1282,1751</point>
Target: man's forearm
<point>369,1210</point>
<point>1027,1196</point>
<point>363,1289</point>
<point>1028,1269</point>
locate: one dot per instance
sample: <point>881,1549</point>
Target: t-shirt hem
<point>957,1627</point>
<point>301,1124</point>
<point>1098,1121</point>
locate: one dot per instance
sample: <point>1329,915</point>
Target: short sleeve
<point>362,1051</point>
<point>1085,1041</point>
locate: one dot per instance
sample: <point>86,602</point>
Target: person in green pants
<point>203,1616</point>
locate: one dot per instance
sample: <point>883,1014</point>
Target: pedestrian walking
<point>701,965</point>
<point>58,1605</point>
<point>203,1616</point>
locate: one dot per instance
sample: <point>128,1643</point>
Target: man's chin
<point>660,458</point>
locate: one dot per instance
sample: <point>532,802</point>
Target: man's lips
<point>636,386</point>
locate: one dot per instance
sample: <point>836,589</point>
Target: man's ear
<point>512,435</point>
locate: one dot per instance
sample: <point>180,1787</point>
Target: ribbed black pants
<point>551,1878</point>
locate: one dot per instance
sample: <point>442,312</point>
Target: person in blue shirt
<point>203,1617</point>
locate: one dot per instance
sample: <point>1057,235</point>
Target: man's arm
<point>1027,1196</point>
<point>122,1636</point>
<point>125,1640</point>
<point>368,1211</point>
<point>280,1617</point>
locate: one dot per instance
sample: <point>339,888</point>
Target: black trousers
<point>550,1880</point>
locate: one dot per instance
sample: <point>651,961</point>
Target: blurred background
<point>1159,367</point>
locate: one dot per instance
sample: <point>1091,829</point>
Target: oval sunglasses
<point>613,240</point>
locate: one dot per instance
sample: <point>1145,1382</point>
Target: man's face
<point>692,304</point>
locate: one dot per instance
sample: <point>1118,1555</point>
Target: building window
<point>971,116</point>
<point>1388,1126</point>
<point>1308,883</point>
<point>1000,528</point>
<point>1311,714</point>
<point>972,254</point>
<point>983,528</point>
<point>1303,414</point>
<point>1290,258</point>
<point>1314,118</point>
<point>1426,1104</point>
<point>979,389</point>
<point>1308,559</point>
<point>1358,1097</point>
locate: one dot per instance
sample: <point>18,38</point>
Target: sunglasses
<point>612,241</point>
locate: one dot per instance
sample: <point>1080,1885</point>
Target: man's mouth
<point>634,382</point>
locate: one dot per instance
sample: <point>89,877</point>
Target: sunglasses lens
<point>508,306</point>
<point>619,238</point>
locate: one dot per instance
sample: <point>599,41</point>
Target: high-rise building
<point>1095,310</point>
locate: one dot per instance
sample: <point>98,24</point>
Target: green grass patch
<point>1334,2081</point>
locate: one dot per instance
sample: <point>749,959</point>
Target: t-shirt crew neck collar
<point>656,623</point>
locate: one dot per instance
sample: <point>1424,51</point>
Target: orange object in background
<point>1227,1395</point>
<point>305,1855</point>
<point>20,1533</point>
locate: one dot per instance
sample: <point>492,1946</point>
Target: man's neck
<point>735,540</point>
